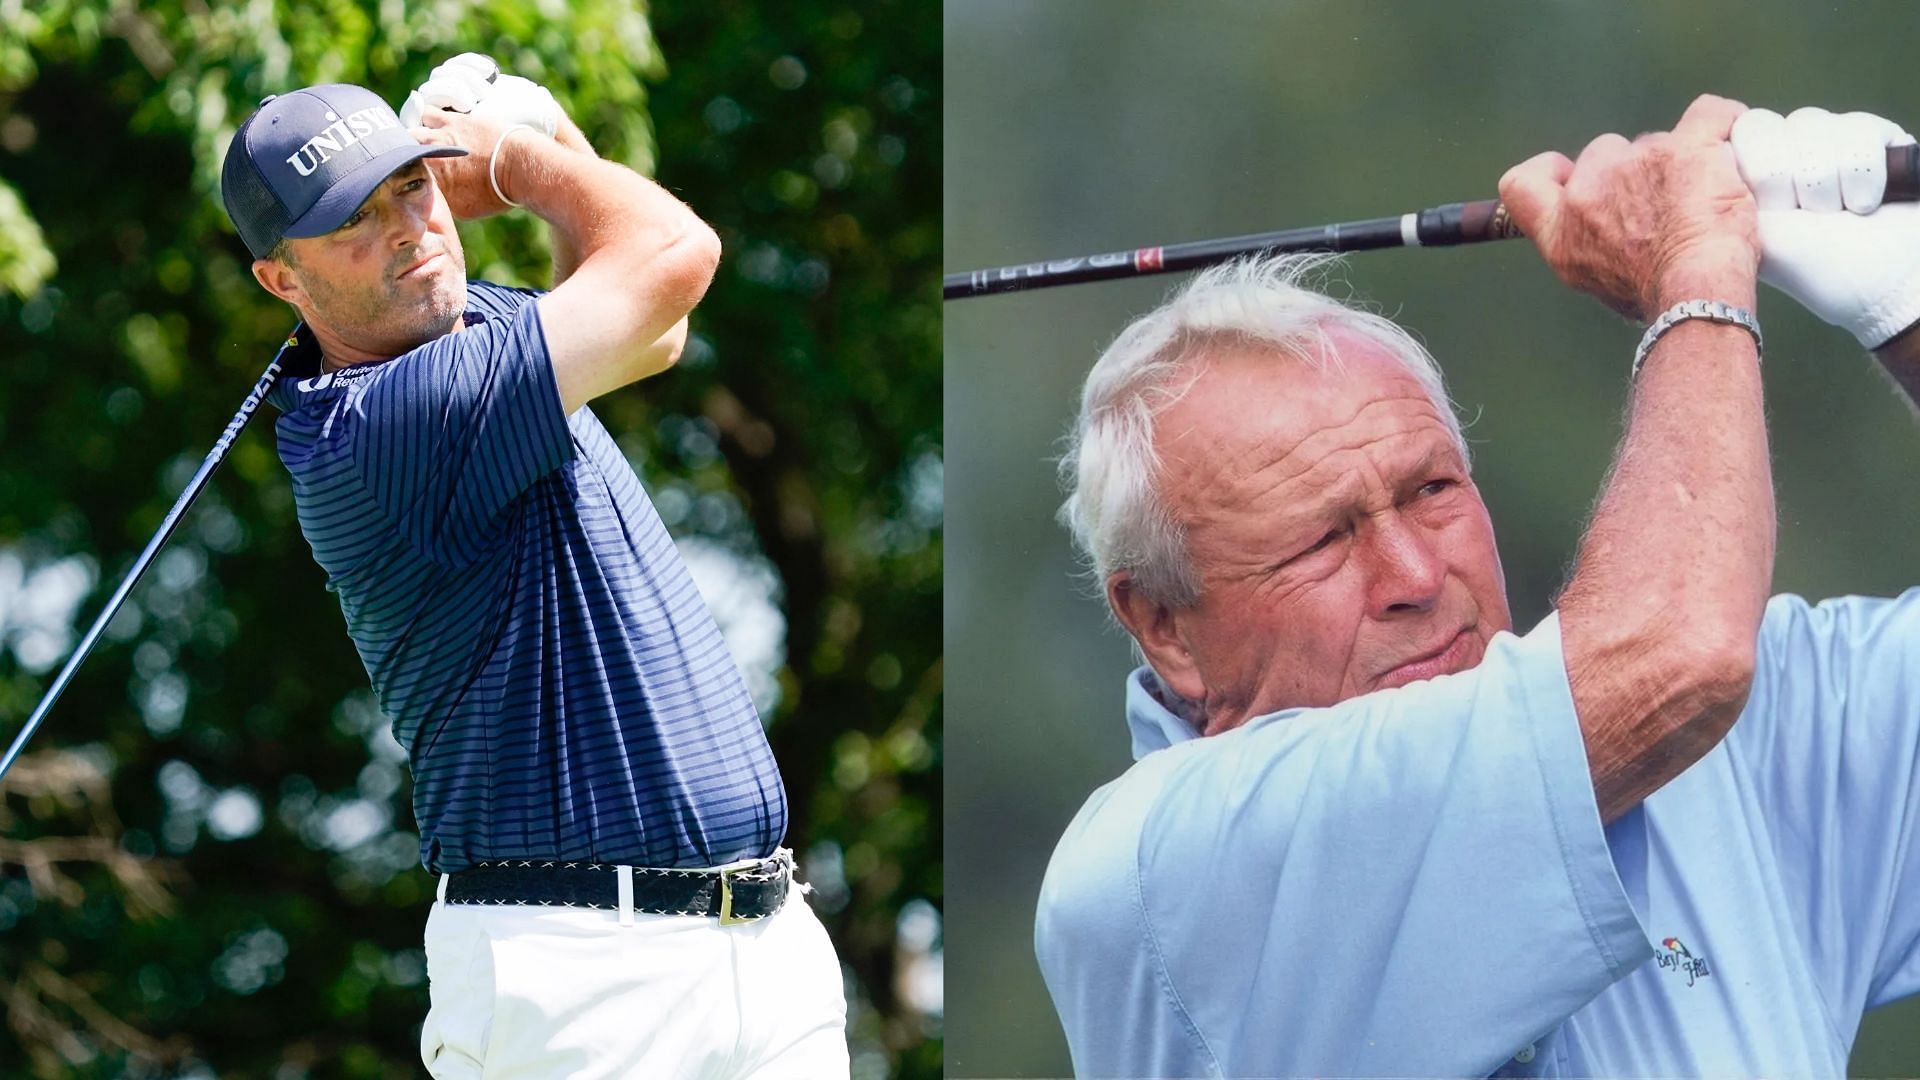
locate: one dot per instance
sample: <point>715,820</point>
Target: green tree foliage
<point>207,866</point>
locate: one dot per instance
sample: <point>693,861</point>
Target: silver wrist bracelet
<point>1710,310</point>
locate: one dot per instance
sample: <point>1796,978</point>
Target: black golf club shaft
<point>119,597</point>
<point>1441,226</point>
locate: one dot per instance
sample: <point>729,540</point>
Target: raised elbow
<point>710,246</point>
<point>697,255</point>
<point>676,344</point>
<point>1713,668</point>
<point>674,266</point>
<point>666,352</point>
<point>1657,697</point>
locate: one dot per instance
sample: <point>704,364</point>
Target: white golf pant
<point>521,992</point>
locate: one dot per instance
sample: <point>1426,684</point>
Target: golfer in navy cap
<point>590,777</point>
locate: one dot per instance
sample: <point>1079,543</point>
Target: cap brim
<point>346,195</point>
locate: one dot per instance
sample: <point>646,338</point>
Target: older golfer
<point>590,776</point>
<point>1371,830</point>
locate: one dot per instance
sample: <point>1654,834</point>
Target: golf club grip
<point>1467,223</point>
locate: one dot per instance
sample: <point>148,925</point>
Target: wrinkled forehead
<point>1253,412</point>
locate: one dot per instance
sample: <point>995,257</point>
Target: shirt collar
<point>300,367</point>
<point>1154,726</point>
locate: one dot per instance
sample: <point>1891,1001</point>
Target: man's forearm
<point>566,259</point>
<point>1672,580</point>
<point>633,259</point>
<point>595,207</point>
<point>566,256</point>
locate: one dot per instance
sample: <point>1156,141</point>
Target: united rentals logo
<point>1677,958</point>
<point>337,136</point>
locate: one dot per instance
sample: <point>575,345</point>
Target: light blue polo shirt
<point>1417,883</point>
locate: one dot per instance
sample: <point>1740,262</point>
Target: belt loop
<point>626,894</point>
<point>441,894</point>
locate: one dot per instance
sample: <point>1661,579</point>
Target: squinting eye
<point>1327,540</point>
<point>1332,535</point>
<point>1435,487</point>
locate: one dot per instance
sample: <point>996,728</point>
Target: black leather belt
<point>737,893</point>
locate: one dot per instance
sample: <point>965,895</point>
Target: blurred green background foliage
<point>1083,126</point>
<point>207,865</point>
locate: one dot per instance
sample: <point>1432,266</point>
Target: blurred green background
<point>1081,126</point>
<point>207,865</point>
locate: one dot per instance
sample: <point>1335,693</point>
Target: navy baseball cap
<point>305,161</point>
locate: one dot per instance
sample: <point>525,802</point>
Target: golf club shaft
<point>1441,226</point>
<point>119,597</point>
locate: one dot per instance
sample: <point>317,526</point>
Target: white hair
<point>1110,470</point>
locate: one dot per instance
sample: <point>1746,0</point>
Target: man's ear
<point>279,279</point>
<point>1156,627</point>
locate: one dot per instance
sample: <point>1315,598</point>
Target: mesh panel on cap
<point>255,210</point>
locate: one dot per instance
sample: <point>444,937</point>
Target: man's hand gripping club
<point>474,83</point>
<point>1647,223</point>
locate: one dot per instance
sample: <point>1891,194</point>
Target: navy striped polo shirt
<point>560,687</point>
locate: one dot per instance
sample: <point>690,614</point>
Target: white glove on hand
<point>1858,270</point>
<point>472,83</point>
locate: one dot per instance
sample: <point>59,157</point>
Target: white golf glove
<point>1858,270</point>
<point>473,83</point>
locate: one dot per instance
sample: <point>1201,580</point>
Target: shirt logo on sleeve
<point>1677,958</point>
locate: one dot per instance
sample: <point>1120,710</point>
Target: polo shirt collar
<point>300,367</point>
<point>1154,726</point>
